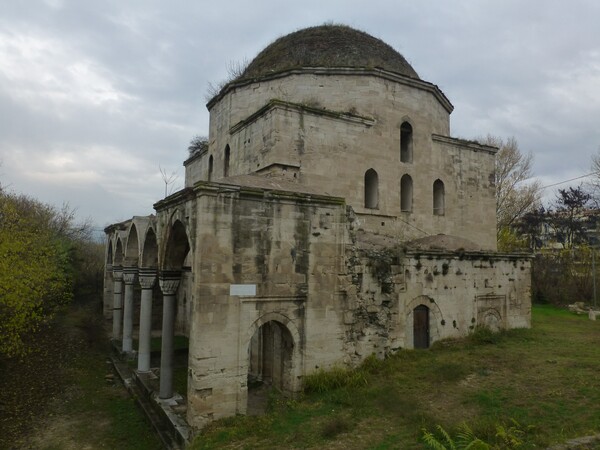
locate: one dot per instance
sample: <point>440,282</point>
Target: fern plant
<point>465,440</point>
<point>512,436</point>
<point>507,437</point>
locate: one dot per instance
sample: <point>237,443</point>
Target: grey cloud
<point>511,68</point>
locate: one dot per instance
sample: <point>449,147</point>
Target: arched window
<point>371,189</point>
<point>210,168</point>
<point>406,193</point>
<point>226,161</point>
<point>406,144</point>
<point>438,198</point>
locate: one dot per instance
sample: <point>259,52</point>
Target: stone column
<point>169,282</point>
<point>117,297</point>
<point>147,281</point>
<point>129,277</point>
<point>107,291</point>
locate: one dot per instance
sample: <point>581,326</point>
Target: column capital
<point>129,274</point>
<point>147,277</point>
<point>169,281</point>
<point>117,273</point>
<point>109,267</point>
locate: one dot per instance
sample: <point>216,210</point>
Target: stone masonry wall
<point>311,122</point>
<point>288,250</point>
<point>383,283</point>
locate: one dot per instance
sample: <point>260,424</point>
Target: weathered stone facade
<point>330,217</point>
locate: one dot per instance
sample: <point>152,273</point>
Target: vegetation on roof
<point>327,46</point>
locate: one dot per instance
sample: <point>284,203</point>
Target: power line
<point>566,181</point>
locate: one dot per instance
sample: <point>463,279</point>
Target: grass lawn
<point>546,378</point>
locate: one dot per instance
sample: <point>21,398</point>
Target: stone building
<point>330,217</point>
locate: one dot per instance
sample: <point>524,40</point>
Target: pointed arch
<point>406,193</point>
<point>292,351</point>
<point>177,247</point>
<point>438,198</point>
<point>271,355</point>
<point>371,189</point>
<point>226,161</point>
<point>406,142</point>
<point>132,250</point>
<point>210,168</point>
<point>421,333</point>
<point>118,257</point>
<point>150,250</point>
<point>434,320</point>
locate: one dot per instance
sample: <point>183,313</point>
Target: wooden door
<point>421,326</point>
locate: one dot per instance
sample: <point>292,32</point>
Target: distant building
<point>330,217</point>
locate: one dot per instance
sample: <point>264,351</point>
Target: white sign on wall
<point>243,290</point>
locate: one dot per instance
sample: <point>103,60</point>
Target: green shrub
<point>483,335</point>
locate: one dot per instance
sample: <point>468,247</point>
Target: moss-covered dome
<point>327,46</point>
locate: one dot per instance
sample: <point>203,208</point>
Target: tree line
<point>46,259</point>
<point>562,234</point>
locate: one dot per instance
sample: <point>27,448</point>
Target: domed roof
<point>327,46</point>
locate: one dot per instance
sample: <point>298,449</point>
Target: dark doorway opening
<point>270,364</point>
<point>421,326</point>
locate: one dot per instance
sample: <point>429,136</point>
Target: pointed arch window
<point>210,168</point>
<point>226,161</point>
<point>406,142</point>
<point>371,189</point>
<point>438,198</point>
<point>406,193</point>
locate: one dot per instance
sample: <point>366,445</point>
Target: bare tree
<point>516,192</point>
<point>168,179</point>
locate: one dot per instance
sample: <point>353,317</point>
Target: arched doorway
<point>421,327</point>
<point>270,364</point>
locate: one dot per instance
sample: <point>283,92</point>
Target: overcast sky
<point>95,95</point>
